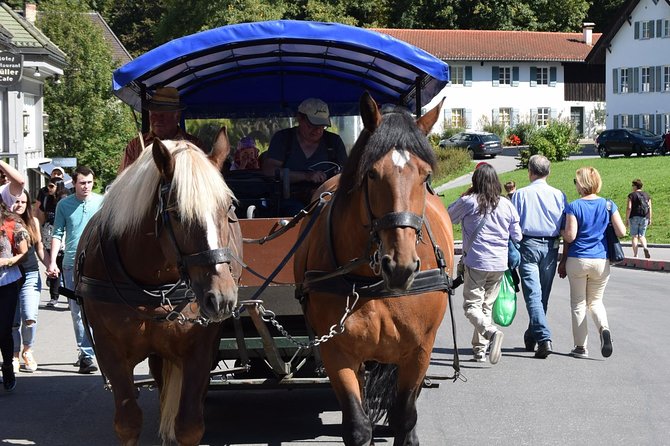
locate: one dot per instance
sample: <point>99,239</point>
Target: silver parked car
<point>477,144</point>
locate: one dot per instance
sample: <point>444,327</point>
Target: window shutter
<point>659,78</point>
<point>468,118</point>
<point>629,76</point>
<point>652,79</point>
<point>533,76</point>
<point>515,117</point>
<point>631,121</point>
<point>659,124</point>
<point>636,79</point>
<point>651,28</point>
<point>552,76</point>
<point>636,121</point>
<point>515,76</point>
<point>659,28</point>
<point>615,81</point>
<point>495,76</point>
<point>553,114</point>
<point>468,76</point>
<point>637,30</point>
<point>615,124</point>
<point>494,116</point>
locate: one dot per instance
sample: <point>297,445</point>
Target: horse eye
<point>429,178</point>
<point>372,175</point>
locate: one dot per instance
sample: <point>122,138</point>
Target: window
<point>457,75</point>
<point>625,122</point>
<point>646,79</point>
<point>666,78</point>
<point>646,121</point>
<point>458,118</point>
<point>666,28</point>
<point>647,30</point>
<point>543,114</point>
<point>505,117</point>
<point>505,76</point>
<point>623,80</point>
<point>543,76</point>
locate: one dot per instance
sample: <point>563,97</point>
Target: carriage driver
<point>164,115</point>
<point>308,150</point>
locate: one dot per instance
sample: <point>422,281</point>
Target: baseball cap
<point>60,169</point>
<point>246,143</point>
<point>316,111</point>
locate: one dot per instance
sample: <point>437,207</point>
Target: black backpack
<point>642,205</point>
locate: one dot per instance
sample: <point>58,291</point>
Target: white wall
<point>628,52</point>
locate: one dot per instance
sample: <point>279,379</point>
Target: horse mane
<point>397,130</point>
<point>198,189</point>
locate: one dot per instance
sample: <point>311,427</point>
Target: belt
<point>541,237</point>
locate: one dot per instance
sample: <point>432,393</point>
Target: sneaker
<point>480,356</point>
<point>579,352</point>
<point>496,346</point>
<point>29,362</point>
<point>15,364</point>
<point>52,303</point>
<point>605,343</point>
<point>77,363</point>
<point>646,253</point>
<point>86,366</point>
<point>8,379</point>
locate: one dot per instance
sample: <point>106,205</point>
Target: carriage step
<point>230,344</point>
<point>268,383</point>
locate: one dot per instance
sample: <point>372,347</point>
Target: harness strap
<point>398,220</point>
<point>213,256</point>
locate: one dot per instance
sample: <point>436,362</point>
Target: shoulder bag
<point>614,249</point>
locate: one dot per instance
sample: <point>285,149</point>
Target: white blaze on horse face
<point>400,158</point>
<point>213,237</point>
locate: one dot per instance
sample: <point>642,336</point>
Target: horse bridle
<point>185,261</point>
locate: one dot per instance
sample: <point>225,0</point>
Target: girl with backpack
<point>638,217</point>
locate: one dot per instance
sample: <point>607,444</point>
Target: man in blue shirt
<point>542,212</point>
<point>72,215</point>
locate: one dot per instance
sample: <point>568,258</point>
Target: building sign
<point>11,68</point>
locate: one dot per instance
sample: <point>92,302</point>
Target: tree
<point>85,120</point>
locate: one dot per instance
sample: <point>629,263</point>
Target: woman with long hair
<point>25,319</point>
<point>488,223</point>
<point>585,261</point>
<point>13,246</point>
<point>45,211</point>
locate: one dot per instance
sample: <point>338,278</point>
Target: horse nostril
<point>387,265</point>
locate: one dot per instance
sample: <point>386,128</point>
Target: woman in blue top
<point>586,264</point>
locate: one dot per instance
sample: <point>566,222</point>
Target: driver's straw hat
<point>316,111</point>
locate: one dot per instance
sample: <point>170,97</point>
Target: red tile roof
<point>482,45</point>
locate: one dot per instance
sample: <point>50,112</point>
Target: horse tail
<point>169,400</point>
<point>381,388</point>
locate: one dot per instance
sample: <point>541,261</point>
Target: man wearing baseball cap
<point>309,151</point>
<point>164,114</point>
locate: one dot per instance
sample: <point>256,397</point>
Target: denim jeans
<point>83,341</point>
<point>537,270</point>
<point>26,310</point>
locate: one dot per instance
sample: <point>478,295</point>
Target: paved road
<point>520,401</point>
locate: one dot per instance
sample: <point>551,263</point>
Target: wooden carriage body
<point>266,69</point>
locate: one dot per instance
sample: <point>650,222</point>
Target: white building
<point>636,53</point>
<point>508,77</point>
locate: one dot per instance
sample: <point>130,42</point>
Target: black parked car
<point>476,143</point>
<point>627,142</point>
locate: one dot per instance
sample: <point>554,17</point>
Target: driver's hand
<point>316,176</point>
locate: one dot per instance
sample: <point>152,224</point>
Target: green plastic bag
<point>504,308</point>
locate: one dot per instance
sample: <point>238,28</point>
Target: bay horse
<point>379,256</point>
<point>156,274</point>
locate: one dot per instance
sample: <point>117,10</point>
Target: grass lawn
<point>617,174</point>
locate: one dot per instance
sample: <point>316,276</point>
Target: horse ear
<point>220,148</point>
<point>163,159</point>
<point>370,112</point>
<point>428,120</point>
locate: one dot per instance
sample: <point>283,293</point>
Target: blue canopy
<point>268,68</point>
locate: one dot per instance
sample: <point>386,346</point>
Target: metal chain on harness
<point>335,329</point>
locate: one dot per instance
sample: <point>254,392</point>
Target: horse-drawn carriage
<point>369,264</point>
